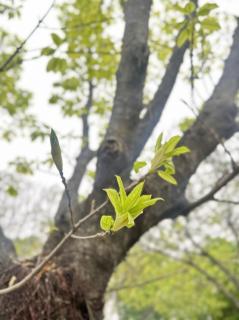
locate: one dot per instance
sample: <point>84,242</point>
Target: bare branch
<point>225,201</point>
<point>21,46</point>
<point>225,179</point>
<point>213,133</point>
<point>231,277</point>
<point>85,156</point>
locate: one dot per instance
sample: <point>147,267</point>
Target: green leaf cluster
<point>199,22</point>
<point>127,207</point>
<point>82,52</point>
<point>162,161</point>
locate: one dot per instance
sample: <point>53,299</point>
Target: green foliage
<point>27,247</point>
<point>57,39</point>
<point>13,99</point>
<point>174,290</point>
<point>162,161</point>
<point>87,54</point>
<point>22,166</point>
<point>198,23</point>
<point>56,151</point>
<point>12,191</point>
<point>127,207</point>
<point>57,65</point>
<point>11,9</point>
<point>138,165</point>
<point>47,51</point>
<point>163,157</point>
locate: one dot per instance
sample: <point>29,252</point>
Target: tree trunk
<point>72,285</point>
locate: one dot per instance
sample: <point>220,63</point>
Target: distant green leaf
<point>189,8</point>
<point>183,37</point>
<point>56,39</point>
<point>57,65</point>
<point>210,24</point>
<point>54,99</point>
<point>138,165</point>
<point>127,207</point>
<point>12,191</point>
<point>206,9</point>
<point>47,51</point>
<point>106,223</point>
<point>71,84</point>
<point>167,177</point>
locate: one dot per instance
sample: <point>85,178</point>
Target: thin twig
<point>20,47</point>
<point>93,236</point>
<point>68,199</point>
<point>210,195</point>
<point>215,135</point>
<point>225,201</point>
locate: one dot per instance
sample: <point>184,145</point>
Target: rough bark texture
<point>79,274</point>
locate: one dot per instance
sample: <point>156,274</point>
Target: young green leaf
<point>134,196</point>
<point>158,142</point>
<point>47,51</point>
<point>56,151</point>
<point>167,177</point>
<point>114,199</point>
<point>106,223</point>
<point>180,150</point>
<point>138,165</point>
<point>127,207</point>
<point>122,192</point>
<point>183,37</point>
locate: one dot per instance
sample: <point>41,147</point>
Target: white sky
<point>38,81</point>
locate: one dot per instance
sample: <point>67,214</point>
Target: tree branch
<point>132,70</point>
<point>7,251</point>
<point>85,156</point>
<point>4,66</point>
<point>157,105</point>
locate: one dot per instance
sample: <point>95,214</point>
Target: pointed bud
<point>56,151</point>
